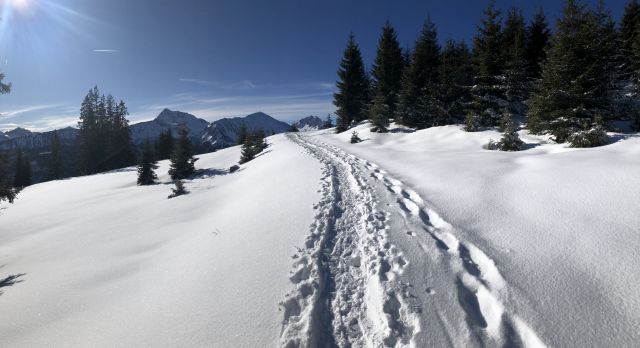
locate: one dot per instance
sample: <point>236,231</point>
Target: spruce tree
<point>510,139</point>
<point>122,144</point>
<point>352,97</point>
<point>328,123</point>
<point>488,91</point>
<point>576,78</point>
<point>178,190</point>
<point>629,33</point>
<point>147,166</point>
<point>293,128</point>
<point>242,133</point>
<point>22,173</point>
<point>516,84</point>
<point>537,41</point>
<point>164,145</point>
<point>421,80</point>
<point>7,192</point>
<point>56,165</point>
<point>182,160</point>
<point>456,78</point>
<point>386,78</point>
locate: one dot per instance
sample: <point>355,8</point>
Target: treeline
<point>569,83</point>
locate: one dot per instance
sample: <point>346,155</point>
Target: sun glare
<point>20,5</point>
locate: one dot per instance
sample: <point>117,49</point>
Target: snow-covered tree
<point>147,166</point>
<point>352,97</point>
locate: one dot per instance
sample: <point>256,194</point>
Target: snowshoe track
<point>348,282</point>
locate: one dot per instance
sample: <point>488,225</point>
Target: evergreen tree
<point>122,145</point>
<point>255,143</point>
<point>352,97</point>
<point>420,80</point>
<point>7,192</point>
<point>179,190</point>
<point>293,128</point>
<point>537,41</point>
<point>328,123</point>
<point>386,77</point>
<point>629,33</point>
<point>510,140</point>
<point>164,145</point>
<point>182,160</point>
<point>56,165</point>
<point>147,166</point>
<point>576,78</point>
<point>22,176</point>
<point>516,84</point>
<point>456,79</point>
<point>242,133</point>
<point>355,138</point>
<point>488,92</point>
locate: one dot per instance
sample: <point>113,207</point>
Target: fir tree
<point>178,190</point>
<point>22,176</point>
<point>421,78</point>
<point>576,78</point>
<point>386,75</point>
<point>456,79</point>
<point>56,166</point>
<point>182,160</point>
<point>242,133</point>
<point>488,92</point>
<point>355,138</point>
<point>537,41</point>
<point>352,97</point>
<point>629,33</point>
<point>293,128</point>
<point>510,140</point>
<point>254,144</point>
<point>379,113</point>
<point>328,123</point>
<point>516,85</point>
<point>147,166</point>
<point>164,145</point>
<point>7,192</point>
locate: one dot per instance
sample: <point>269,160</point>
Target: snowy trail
<point>381,268</point>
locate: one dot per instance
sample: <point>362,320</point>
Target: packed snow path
<point>381,268</point>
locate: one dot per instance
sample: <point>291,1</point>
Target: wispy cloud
<point>106,51</point>
<point>241,85</point>
<point>26,110</point>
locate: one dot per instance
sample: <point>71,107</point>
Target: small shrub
<point>355,138</point>
<point>179,190</point>
<point>593,137</point>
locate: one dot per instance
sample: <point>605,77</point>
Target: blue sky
<point>208,57</point>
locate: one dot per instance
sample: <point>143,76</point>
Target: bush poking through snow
<point>596,136</point>
<point>179,190</point>
<point>355,138</point>
<point>471,122</point>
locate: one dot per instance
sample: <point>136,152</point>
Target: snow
<point>107,263</point>
<point>560,224</point>
<point>407,239</point>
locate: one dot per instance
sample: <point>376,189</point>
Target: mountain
<point>224,132</point>
<point>309,123</point>
<point>19,132</point>
<point>3,137</point>
<point>168,119</point>
<point>27,140</point>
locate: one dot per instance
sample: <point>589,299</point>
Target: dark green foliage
<point>242,133</point>
<point>182,160</point>
<point>355,138</point>
<point>164,145</point>
<point>489,63</point>
<point>293,128</point>
<point>386,73</point>
<point>472,122</point>
<point>328,123</point>
<point>517,84</point>
<point>577,76</point>
<point>352,97</point>
<point>379,114</point>
<point>254,144</point>
<point>456,78</point>
<point>595,136</point>
<point>147,166</point>
<point>56,165</point>
<point>421,77</point>
<point>22,173</point>
<point>510,140</point>
<point>7,192</point>
<point>537,42</point>
<point>179,190</point>
<point>104,140</point>
<point>630,37</point>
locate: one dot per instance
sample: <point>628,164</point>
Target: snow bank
<point>561,223</point>
<point>108,263</point>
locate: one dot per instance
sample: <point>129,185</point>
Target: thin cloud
<point>25,110</point>
<point>106,51</point>
<point>242,85</point>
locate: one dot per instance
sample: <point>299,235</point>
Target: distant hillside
<point>224,132</point>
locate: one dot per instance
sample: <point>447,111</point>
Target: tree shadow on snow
<point>208,173</point>
<point>10,281</point>
<point>620,137</point>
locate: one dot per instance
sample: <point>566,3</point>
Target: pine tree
<point>488,92</point>
<point>123,149</point>
<point>510,139</point>
<point>182,160</point>
<point>242,133</point>
<point>421,78</point>
<point>147,166</point>
<point>537,41</point>
<point>22,176</point>
<point>352,97</point>
<point>386,77</point>
<point>7,192</point>
<point>164,145</point>
<point>293,128</point>
<point>629,33</point>
<point>328,123</point>
<point>456,79</point>
<point>179,190</point>
<point>255,143</point>
<point>576,78</point>
<point>355,138</point>
<point>56,165</point>
<point>517,84</point>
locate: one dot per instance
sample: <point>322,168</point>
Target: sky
<point>211,58</point>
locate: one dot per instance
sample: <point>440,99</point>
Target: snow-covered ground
<point>107,263</point>
<point>406,239</point>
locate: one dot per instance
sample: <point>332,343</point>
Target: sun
<point>20,5</point>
